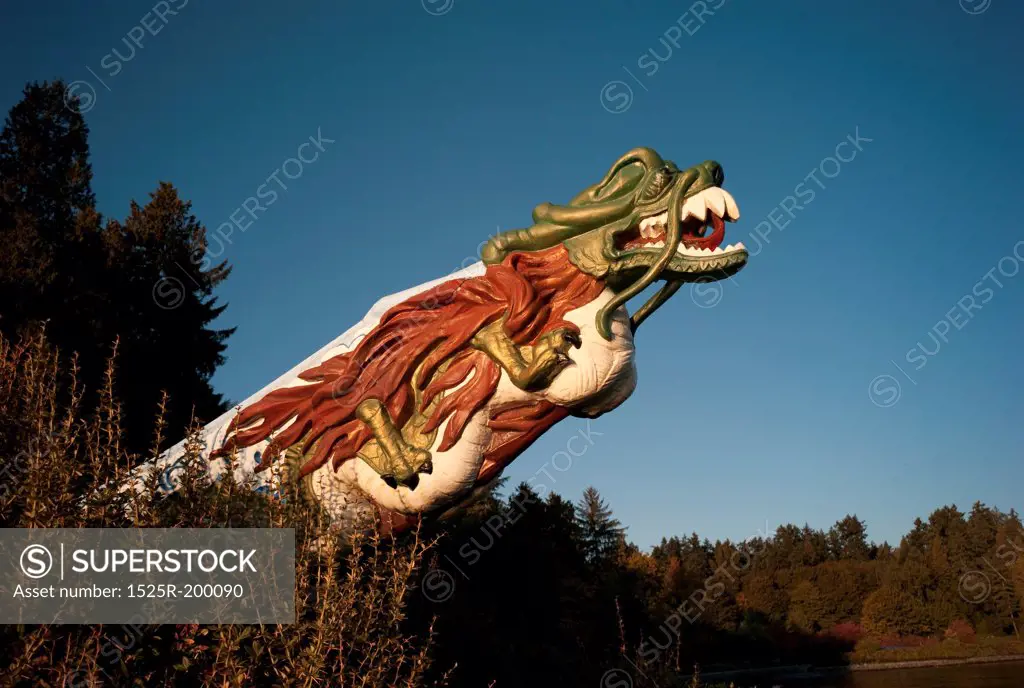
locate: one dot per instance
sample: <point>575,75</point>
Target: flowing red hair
<point>531,291</point>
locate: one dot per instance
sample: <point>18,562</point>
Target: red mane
<point>533,291</point>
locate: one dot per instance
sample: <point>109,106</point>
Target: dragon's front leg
<point>401,461</point>
<point>531,368</point>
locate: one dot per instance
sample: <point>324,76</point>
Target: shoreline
<point>926,663</point>
<point>804,671</point>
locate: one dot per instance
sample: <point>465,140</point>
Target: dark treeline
<point>528,589</point>
<point>93,280</point>
<point>542,586</point>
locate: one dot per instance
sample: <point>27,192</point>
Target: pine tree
<point>93,282</point>
<point>48,221</point>
<point>601,534</point>
<point>848,539</point>
<point>169,302</point>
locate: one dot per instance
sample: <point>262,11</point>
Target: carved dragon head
<point>646,220</point>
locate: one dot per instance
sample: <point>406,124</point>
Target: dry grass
<point>59,468</point>
<point>638,669</point>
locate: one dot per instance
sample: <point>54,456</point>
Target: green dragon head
<point>646,220</point>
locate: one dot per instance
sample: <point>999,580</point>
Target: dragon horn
<point>645,156</point>
<point>610,199</point>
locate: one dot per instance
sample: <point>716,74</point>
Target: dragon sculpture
<point>427,400</point>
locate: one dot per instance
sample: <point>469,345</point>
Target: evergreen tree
<point>848,539</point>
<point>601,533</point>
<point>48,223</point>
<point>843,586</point>
<point>93,282</point>
<point>169,304</point>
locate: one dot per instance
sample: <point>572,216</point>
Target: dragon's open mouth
<point>708,210</point>
<point>656,223</point>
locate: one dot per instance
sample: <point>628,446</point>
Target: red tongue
<point>712,241</point>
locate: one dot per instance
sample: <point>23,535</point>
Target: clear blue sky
<point>448,126</point>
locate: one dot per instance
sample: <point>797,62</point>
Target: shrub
<point>890,610</point>
<point>960,629</point>
<point>848,632</point>
<point>60,470</point>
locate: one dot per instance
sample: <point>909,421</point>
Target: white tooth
<point>718,250</point>
<point>658,244</point>
<point>731,209</point>
<point>715,201</point>
<point>739,245</point>
<point>694,207</point>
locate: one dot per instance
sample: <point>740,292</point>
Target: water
<point>1003,675</point>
